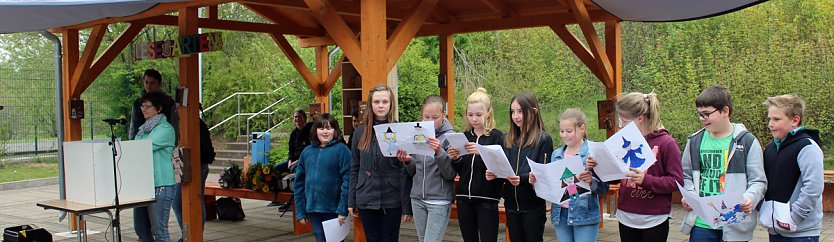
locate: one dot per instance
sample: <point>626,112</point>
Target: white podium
<point>88,171</point>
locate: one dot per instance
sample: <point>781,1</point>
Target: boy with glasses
<point>721,157</point>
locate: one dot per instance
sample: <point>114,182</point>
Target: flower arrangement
<point>259,177</point>
<point>230,178</point>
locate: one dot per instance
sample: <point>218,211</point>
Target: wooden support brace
<point>80,74</point>
<point>296,61</point>
<point>334,75</point>
<point>108,56</point>
<point>406,30</point>
<point>601,58</point>
<point>579,49</point>
<point>338,30</point>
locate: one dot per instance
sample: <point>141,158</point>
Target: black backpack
<point>230,208</point>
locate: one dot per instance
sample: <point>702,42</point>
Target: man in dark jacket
<point>152,82</point>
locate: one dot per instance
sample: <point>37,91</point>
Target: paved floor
<point>264,223</point>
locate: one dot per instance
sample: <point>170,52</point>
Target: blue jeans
<point>701,234</point>
<point>315,220</point>
<point>780,238</point>
<point>430,220</point>
<point>151,222</point>
<point>177,206</point>
<point>571,233</point>
<point>381,225</point>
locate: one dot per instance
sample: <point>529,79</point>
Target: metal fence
<point>27,120</point>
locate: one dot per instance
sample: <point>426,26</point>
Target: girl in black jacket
<point>477,198</point>
<point>526,138</point>
<point>378,191</point>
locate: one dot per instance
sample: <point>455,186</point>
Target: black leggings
<point>656,233</point>
<point>526,226</point>
<point>478,220</point>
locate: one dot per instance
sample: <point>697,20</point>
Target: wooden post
<point>447,74</point>
<point>70,46</point>
<point>322,65</point>
<point>190,130</point>
<point>614,49</point>
<point>373,44</point>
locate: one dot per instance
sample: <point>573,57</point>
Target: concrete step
<point>237,154</point>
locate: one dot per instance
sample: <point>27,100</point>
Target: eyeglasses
<point>143,106</point>
<point>705,115</point>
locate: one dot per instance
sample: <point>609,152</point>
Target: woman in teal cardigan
<point>151,222</point>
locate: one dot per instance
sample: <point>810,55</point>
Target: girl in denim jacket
<point>576,219</point>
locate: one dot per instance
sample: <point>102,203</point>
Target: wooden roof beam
<point>341,7</point>
<point>406,30</point>
<point>213,12</point>
<point>296,61</point>
<point>600,57</point>
<point>498,6</point>
<point>315,41</point>
<point>270,14</point>
<point>159,9</point>
<point>337,29</point>
<point>232,25</point>
<point>579,49</point>
<point>90,50</point>
<point>107,57</point>
<point>509,23</point>
<point>444,16</point>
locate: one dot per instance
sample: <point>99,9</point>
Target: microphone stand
<point>116,222</point>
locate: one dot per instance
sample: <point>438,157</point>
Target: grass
<point>34,169</point>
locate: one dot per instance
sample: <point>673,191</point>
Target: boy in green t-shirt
<point>721,157</point>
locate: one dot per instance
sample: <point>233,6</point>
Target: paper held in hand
<point>458,141</point>
<point>411,137</point>
<point>496,161</point>
<point>333,231</point>
<point>718,210</point>
<point>625,149</point>
<point>558,181</point>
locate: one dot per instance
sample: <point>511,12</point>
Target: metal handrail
<point>279,124</point>
<point>246,93</point>
<point>230,118</point>
<point>249,128</point>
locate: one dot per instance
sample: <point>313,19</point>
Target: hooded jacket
<point>376,181</point>
<point>523,197</point>
<point>471,169</point>
<point>433,176</point>
<point>654,195</point>
<point>744,173</point>
<point>322,180</point>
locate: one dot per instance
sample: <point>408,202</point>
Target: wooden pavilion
<point>372,34</point>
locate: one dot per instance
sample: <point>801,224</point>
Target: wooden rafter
<point>236,25</point>
<point>443,15</point>
<point>499,7</point>
<point>107,57</point>
<point>614,49</point>
<point>80,75</point>
<point>270,14</point>
<point>509,23</point>
<point>600,57</point>
<point>159,9</point>
<point>315,41</point>
<point>296,61</point>
<point>338,30</point>
<point>343,8</point>
<point>579,49</point>
<point>406,30</point>
<point>334,75</point>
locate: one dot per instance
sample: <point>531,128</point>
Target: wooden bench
<point>213,190</point>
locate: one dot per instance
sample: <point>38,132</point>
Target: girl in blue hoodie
<point>322,177</point>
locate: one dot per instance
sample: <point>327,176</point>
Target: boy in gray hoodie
<point>793,164</point>
<point>721,157</point>
<point>432,186</point>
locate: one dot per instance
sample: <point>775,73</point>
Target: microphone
<point>114,121</point>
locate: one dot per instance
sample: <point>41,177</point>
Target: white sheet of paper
<point>608,167</point>
<point>496,161</point>
<point>548,177</point>
<point>718,210</point>
<point>333,231</point>
<point>458,140</point>
<point>778,213</point>
<point>404,136</point>
<point>630,147</point>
